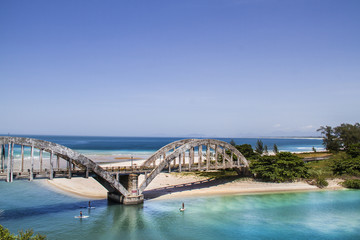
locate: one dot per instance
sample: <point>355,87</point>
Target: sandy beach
<point>174,185</point>
<point>177,185</point>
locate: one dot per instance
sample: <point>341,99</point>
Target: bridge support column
<point>12,163</point>
<point>207,157</point>
<point>8,164</point>
<point>130,182</point>
<point>3,158</point>
<point>69,169</point>
<point>199,157</point>
<point>51,166</point>
<point>41,159</point>
<point>58,162</point>
<point>191,160</point>
<point>31,177</point>
<point>216,157</point>
<point>22,158</point>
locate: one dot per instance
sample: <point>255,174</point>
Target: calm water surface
<point>315,215</point>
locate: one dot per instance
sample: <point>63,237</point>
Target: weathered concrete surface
<point>68,154</point>
<point>124,188</point>
<point>180,151</point>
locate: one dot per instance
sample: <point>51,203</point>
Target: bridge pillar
<point>130,182</point>
<point>51,166</point>
<point>207,157</point>
<point>31,176</point>
<point>199,157</point>
<point>8,164</point>
<point>3,158</point>
<point>22,158</point>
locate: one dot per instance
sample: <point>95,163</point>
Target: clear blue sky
<point>225,68</point>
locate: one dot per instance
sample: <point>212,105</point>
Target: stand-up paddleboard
<point>182,207</point>
<point>81,216</point>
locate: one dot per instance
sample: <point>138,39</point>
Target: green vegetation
<point>313,154</point>
<point>340,137</point>
<point>321,181</point>
<point>280,168</point>
<point>354,150</point>
<point>247,151</point>
<point>27,235</point>
<point>259,147</point>
<point>352,183</point>
<point>275,149</point>
<point>344,164</point>
<point>266,152</point>
<point>220,174</point>
<point>320,168</point>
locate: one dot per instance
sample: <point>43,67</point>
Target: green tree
<point>330,141</point>
<point>280,168</point>
<point>232,142</point>
<point>348,134</point>
<point>259,148</point>
<point>27,235</point>
<point>275,149</point>
<point>266,150</point>
<point>247,151</point>
<point>5,234</point>
<point>353,150</point>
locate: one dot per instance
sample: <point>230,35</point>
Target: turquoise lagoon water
<point>311,215</point>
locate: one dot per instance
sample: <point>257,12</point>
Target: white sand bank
<point>167,186</point>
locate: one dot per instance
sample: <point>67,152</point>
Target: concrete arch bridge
<point>18,161</point>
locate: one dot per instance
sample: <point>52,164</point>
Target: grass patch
<point>220,174</point>
<point>321,168</point>
<point>313,155</point>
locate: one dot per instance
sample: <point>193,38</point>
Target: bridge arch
<point>73,157</point>
<point>190,144</point>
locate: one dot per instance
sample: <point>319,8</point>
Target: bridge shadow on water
<point>157,192</point>
<point>24,212</point>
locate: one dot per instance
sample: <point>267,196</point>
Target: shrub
<point>353,150</point>
<point>280,168</point>
<point>27,235</point>
<point>352,183</point>
<point>344,164</point>
<point>321,182</point>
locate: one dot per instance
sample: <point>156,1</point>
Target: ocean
<point>315,215</point>
<point>148,145</point>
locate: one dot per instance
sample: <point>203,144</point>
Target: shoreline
<point>172,186</point>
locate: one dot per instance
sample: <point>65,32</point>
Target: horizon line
<point>184,136</point>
